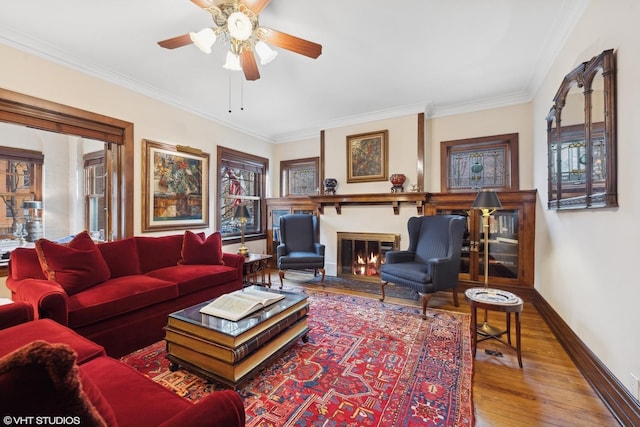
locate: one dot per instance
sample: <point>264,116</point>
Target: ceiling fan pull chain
<point>229,72</point>
<point>241,94</point>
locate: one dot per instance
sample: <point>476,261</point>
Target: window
<point>94,188</point>
<point>36,113</point>
<point>20,181</point>
<point>241,181</point>
<point>299,177</point>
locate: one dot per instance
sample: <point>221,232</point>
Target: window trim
<point>225,155</point>
<point>37,113</point>
<point>285,170</point>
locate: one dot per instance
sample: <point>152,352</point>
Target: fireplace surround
<point>360,255</point>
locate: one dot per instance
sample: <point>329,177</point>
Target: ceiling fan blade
<point>175,42</point>
<point>201,3</point>
<point>249,66</point>
<point>293,43</point>
<point>256,6</point>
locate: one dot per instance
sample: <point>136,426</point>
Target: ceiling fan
<point>236,21</point>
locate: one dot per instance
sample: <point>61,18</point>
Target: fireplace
<point>360,255</point>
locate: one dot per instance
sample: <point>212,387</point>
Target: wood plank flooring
<point>548,391</point>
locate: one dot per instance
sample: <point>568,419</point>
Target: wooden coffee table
<point>231,352</point>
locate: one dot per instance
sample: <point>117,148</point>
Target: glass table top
<point>228,327</point>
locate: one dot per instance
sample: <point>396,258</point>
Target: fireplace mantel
<point>393,199</point>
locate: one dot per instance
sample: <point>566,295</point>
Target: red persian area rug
<point>367,363</point>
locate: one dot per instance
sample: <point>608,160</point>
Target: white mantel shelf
<point>393,199</point>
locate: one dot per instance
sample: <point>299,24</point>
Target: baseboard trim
<point>623,406</point>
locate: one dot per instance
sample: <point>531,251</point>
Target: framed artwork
<point>367,157</point>
<point>299,177</point>
<point>489,162</point>
<point>175,192</point>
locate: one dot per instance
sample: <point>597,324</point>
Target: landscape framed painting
<point>175,192</point>
<point>367,157</point>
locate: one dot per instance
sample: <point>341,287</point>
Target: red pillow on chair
<point>43,379</point>
<point>197,250</point>
<point>76,266</point>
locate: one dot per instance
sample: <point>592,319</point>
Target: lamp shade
<point>32,204</point>
<point>241,212</point>
<point>487,199</point>
<point>239,26</point>
<point>204,39</point>
<point>265,53</point>
<point>233,62</point>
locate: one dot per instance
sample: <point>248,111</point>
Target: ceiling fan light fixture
<point>233,62</point>
<point>239,26</point>
<point>265,53</point>
<point>204,39</point>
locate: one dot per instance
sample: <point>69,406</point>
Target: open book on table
<point>238,304</point>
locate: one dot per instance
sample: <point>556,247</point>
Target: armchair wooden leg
<point>322,272</point>
<point>281,274</point>
<point>455,297</point>
<point>425,301</point>
<point>382,290</point>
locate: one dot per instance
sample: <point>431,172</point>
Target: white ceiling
<point>380,58</point>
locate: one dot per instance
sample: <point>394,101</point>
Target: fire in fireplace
<point>360,255</point>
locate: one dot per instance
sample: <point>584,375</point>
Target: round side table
<point>494,300</point>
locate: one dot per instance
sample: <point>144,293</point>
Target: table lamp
<point>488,202</point>
<point>241,214</point>
<point>33,219</point>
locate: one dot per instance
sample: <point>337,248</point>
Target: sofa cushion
<point>198,250</point>
<point>52,332</point>
<point>15,313</point>
<point>158,252</point>
<point>121,256</point>
<point>192,278</point>
<point>97,399</point>
<point>42,379</point>
<point>76,266</point>
<point>118,296</point>
<point>135,399</point>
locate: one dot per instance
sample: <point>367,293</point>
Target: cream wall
<point>291,151</point>
<point>402,145</point>
<point>586,260</point>
<point>497,121</point>
<point>31,75</point>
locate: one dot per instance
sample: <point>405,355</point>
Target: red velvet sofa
<point>57,377</point>
<point>119,294</point>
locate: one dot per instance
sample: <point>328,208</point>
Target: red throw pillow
<point>121,256</point>
<point>198,250</point>
<point>42,379</point>
<point>76,266</point>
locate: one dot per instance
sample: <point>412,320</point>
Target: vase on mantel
<point>330,185</point>
<point>397,180</point>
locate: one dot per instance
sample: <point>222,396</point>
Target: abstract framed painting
<point>175,192</point>
<point>367,157</point>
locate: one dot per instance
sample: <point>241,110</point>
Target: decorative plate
<point>493,296</point>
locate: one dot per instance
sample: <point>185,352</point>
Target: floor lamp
<point>488,202</point>
<point>241,214</point>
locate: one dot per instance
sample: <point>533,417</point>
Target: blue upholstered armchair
<point>432,261</point>
<point>299,247</point>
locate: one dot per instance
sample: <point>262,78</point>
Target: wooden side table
<point>254,264</point>
<point>495,300</point>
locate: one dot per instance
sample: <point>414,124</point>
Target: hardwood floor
<point>548,391</point>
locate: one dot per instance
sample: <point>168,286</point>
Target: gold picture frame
<point>175,192</point>
<point>368,157</point>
